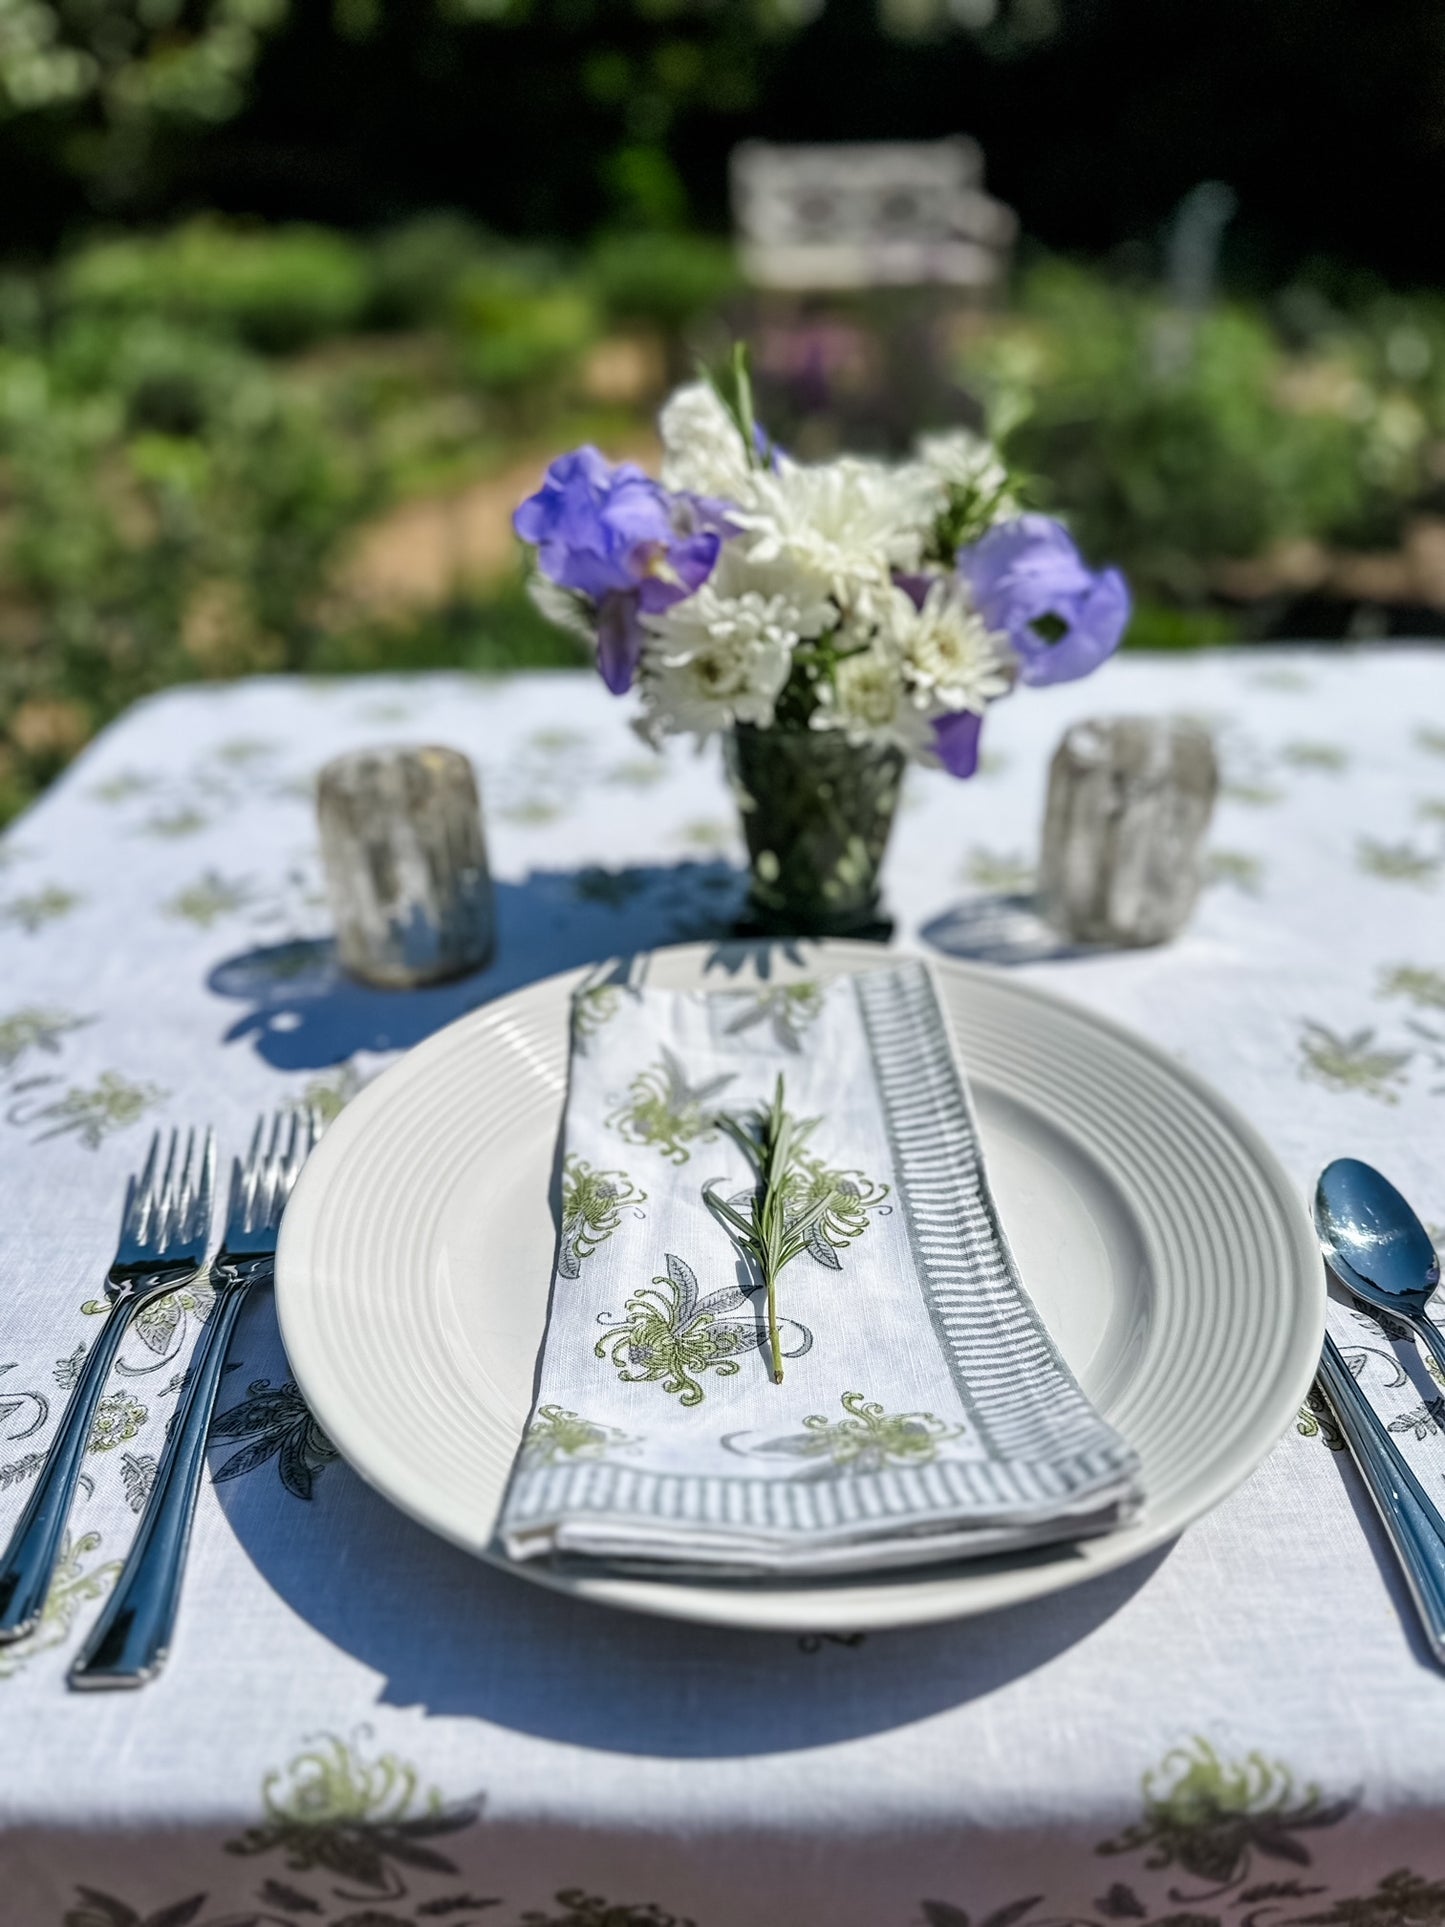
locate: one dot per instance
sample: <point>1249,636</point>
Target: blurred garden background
<point>296,299</point>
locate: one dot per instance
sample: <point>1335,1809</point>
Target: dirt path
<point>423,553</point>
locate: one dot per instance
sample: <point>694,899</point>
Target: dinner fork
<point>164,1232</point>
<point>130,1641</point>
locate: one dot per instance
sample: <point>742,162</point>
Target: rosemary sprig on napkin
<point>776,1232</point>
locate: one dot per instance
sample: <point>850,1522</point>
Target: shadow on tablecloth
<point>458,1638</point>
<point>304,1013</point>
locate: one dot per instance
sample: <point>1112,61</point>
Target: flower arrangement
<point>892,602</point>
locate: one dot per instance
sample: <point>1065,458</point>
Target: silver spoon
<point>1377,1247</point>
<point>1369,1235</point>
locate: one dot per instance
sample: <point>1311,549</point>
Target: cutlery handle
<point>1433,1336</point>
<point>30,1558</point>
<point>1412,1523</point>
<point>129,1642</point>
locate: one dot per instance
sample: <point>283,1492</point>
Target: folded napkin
<point>923,1413</point>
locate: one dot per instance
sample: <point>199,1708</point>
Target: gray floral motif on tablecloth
<point>276,1423</point>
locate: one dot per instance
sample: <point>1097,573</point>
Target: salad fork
<point>164,1232</point>
<point>131,1639</point>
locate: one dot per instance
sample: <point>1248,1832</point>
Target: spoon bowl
<point>1374,1243</point>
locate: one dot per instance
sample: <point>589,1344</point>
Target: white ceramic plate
<point>1163,1245</point>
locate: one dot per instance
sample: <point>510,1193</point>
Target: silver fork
<point>164,1232</point>
<point>131,1639</point>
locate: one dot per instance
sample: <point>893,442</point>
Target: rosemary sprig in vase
<point>776,1232</point>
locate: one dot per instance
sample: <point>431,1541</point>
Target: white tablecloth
<point>361,1725</point>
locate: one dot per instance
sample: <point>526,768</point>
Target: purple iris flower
<point>1029,580</point>
<point>956,740</point>
<point>612,534</point>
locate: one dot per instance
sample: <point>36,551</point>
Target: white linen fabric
<point>665,1442</point>
<point>359,1722</point>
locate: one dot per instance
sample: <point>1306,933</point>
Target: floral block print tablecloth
<point>362,1725</point>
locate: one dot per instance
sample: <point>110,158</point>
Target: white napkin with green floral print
<point>923,1412</point>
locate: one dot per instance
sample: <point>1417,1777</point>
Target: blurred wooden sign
<point>890,214</point>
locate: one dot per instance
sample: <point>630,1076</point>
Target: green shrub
<point>415,269</point>
<point>521,324</point>
<point>669,281</point>
<point>275,289</point>
<point>1171,442</point>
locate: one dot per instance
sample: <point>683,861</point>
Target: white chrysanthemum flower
<point>839,526</point>
<point>960,459</point>
<point>703,453</point>
<point>723,655</point>
<point>950,659</point>
<point>866,698</point>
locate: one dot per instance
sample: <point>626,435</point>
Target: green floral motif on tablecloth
<point>1352,1063</point>
<point>1316,1420</point>
<point>276,1423</point>
<point>1210,1818</point>
<point>75,1584</point>
<point>174,824</point>
<point>1431,740</point>
<point>787,1010</point>
<point>639,774</point>
<point>670,1334</point>
<point>664,1110</point>
<point>329,1094</point>
<point>1006,871</point>
<point>1329,757</point>
<point>592,1206</point>
<point>35,1029</point>
<point>556,1436</point>
<point>1431,809</point>
<point>1395,862</point>
<point>118,1418</point>
<point>868,1439</point>
<point>1236,867</point>
<point>31,913</point>
<point>211,897</point>
<point>122,786</point>
<point>91,1112</point>
<point>1423,987</point>
<point>365,1822</point>
<point>161,1323</point>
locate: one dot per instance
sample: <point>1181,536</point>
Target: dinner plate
<point>1161,1242</point>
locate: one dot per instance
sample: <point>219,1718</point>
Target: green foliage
<point>1171,441</point>
<point>669,281</point>
<point>521,323</point>
<point>416,268</point>
<point>275,289</point>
